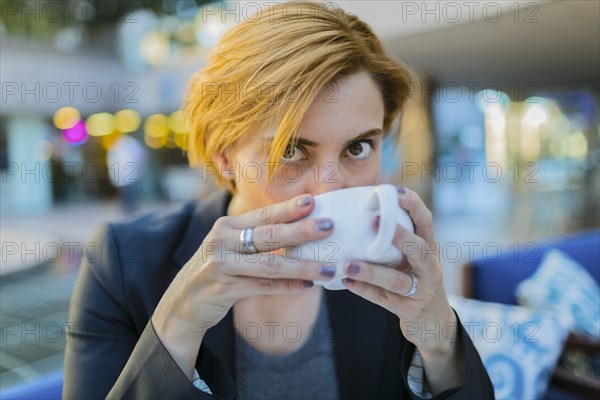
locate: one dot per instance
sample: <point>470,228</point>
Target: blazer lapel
<point>221,340</point>
<point>202,220</point>
<point>359,335</point>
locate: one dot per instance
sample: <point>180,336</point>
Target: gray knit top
<point>306,373</point>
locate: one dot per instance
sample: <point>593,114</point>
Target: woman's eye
<point>292,153</point>
<point>360,150</point>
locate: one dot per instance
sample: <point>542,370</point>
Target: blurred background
<point>500,136</point>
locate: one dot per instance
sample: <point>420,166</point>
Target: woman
<point>199,301</point>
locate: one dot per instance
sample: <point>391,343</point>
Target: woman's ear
<point>225,165</point>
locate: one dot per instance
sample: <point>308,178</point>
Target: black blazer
<point>113,351</point>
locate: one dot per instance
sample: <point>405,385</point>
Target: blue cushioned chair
<point>47,387</point>
<point>495,279</point>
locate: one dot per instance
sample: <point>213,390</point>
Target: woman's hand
<point>220,273</point>
<point>426,318</point>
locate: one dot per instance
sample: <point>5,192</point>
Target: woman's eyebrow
<point>364,135</point>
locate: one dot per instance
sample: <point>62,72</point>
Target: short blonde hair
<point>265,72</point>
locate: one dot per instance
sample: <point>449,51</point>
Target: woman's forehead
<point>356,107</point>
<point>353,110</point>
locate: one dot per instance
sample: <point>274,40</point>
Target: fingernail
<point>327,271</point>
<point>349,281</point>
<point>325,225</point>
<point>308,284</point>
<point>353,269</point>
<point>401,190</point>
<point>304,201</point>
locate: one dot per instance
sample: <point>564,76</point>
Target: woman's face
<point>339,146</point>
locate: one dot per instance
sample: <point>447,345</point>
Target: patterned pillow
<point>519,347</point>
<point>563,286</point>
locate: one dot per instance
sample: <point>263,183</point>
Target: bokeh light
<point>154,48</point>
<point>100,124</point>
<point>577,145</point>
<point>535,113</point>
<point>186,33</point>
<point>155,142</point>
<point>76,135</point>
<point>66,117</point>
<point>156,125</point>
<point>492,98</point>
<point>211,26</point>
<point>43,150</point>
<point>108,141</point>
<point>181,140</point>
<point>127,121</point>
<point>177,122</point>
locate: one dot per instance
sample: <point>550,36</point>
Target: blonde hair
<point>266,71</point>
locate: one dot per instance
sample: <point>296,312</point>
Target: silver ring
<point>246,239</point>
<point>413,288</point>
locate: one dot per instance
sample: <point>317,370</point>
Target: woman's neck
<point>236,206</point>
<point>277,311</point>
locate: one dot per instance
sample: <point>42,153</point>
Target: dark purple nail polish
<point>304,201</point>
<point>327,271</point>
<point>308,284</point>
<point>353,269</point>
<point>325,225</point>
<point>401,190</point>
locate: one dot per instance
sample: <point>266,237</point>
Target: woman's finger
<point>377,275</point>
<point>419,213</point>
<point>421,257</point>
<point>277,236</point>
<point>272,266</point>
<point>285,211</point>
<point>248,286</point>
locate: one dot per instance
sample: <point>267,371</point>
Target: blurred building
<point>118,70</point>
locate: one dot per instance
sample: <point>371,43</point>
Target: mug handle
<point>386,197</point>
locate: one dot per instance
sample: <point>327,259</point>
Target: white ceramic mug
<point>352,211</point>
